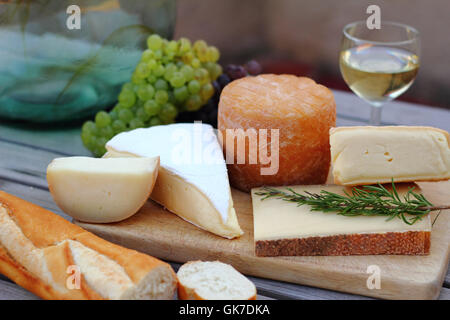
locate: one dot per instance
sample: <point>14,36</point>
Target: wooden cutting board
<point>162,234</point>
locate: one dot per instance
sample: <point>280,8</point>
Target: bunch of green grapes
<point>171,77</point>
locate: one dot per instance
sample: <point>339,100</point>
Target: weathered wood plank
<point>445,294</point>
<point>32,194</point>
<point>350,107</point>
<point>64,140</point>
<point>447,278</point>
<point>287,291</point>
<point>10,291</point>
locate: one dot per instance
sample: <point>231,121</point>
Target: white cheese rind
<point>193,180</point>
<point>209,174</point>
<point>364,155</point>
<point>277,219</point>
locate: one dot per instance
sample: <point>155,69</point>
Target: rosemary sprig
<point>373,200</point>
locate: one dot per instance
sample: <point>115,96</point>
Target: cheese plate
<point>155,231</point>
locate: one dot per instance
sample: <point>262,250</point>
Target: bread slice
<point>367,155</point>
<point>40,250</point>
<point>213,280</point>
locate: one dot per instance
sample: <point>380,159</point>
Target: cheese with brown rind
<point>300,109</point>
<point>283,228</point>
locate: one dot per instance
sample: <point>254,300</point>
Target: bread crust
<point>187,293</point>
<point>48,231</point>
<point>390,243</point>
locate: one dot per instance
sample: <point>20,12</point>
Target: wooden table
<point>25,152</point>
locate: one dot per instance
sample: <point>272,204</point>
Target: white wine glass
<point>379,64</point>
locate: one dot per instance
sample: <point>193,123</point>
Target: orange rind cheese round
<point>290,116</point>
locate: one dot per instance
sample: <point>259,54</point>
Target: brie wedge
<point>366,155</point>
<point>101,190</point>
<point>192,180</point>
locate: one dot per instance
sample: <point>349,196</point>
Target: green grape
<point>128,86</point>
<point>170,70</point>
<point>136,123</point>
<point>152,79</point>
<point>179,64</point>
<point>184,45</point>
<point>177,80</point>
<point>194,86</point>
<point>188,57</point>
<point>147,55</point>
<point>158,54</point>
<point>89,126</point>
<point>209,66</point>
<point>107,132</point>
<point>171,97</point>
<point>207,91</point>
<point>194,102</point>
<point>168,58</point>
<point>216,71</point>
<point>181,93</point>
<point>152,64</point>
<point>142,114</point>
<point>188,72</point>
<point>168,112</point>
<point>201,50</point>
<point>159,70</point>
<point>135,79</point>
<point>200,45</point>
<point>113,115</point>
<point>155,121</point>
<point>127,98</point>
<point>161,84</point>
<point>145,92</point>
<point>87,138</point>
<point>161,96</point>
<point>142,70</point>
<point>118,126</point>
<point>213,54</point>
<point>202,55</point>
<point>99,148</point>
<point>154,42</point>
<point>126,115</point>
<point>171,47</point>
<point>201,75</point>
<point>170,75</point>
<point>151,107</point>
<point>102,119</point>
<point>195,63</point>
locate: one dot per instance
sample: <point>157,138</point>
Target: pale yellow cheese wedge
<point>101,190</point>
<point>367,155</point>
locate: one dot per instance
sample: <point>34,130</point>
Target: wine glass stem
<point>375,115</point>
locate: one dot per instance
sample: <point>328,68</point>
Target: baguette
<point>213,280</point>
<point>39,251</point>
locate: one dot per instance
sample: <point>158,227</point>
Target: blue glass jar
<point>65,60</point>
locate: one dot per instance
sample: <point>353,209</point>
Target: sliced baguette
<point>37,247</point>
<point>213,280</point>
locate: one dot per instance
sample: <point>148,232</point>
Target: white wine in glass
<point>379,65</point>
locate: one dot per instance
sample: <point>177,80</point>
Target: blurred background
<point>302,37</point>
